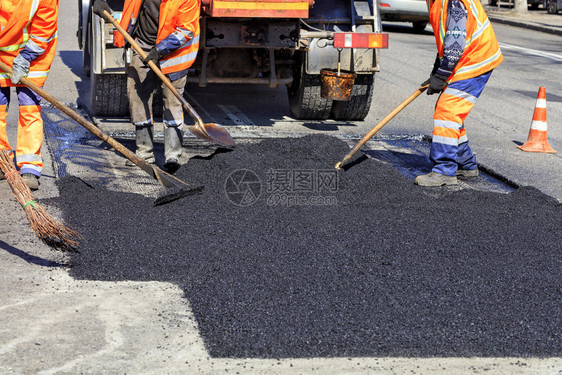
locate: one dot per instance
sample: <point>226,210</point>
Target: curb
<point>523,24</point>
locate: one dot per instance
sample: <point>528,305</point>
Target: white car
<point>414,11</point>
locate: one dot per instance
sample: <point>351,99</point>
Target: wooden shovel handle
<point>85,123</point>
<point>155,68</point>
<point>379,126</point>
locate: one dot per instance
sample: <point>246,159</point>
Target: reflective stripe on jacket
<point>179,19</point>
<point>482,52</point>
<point>31,24</point>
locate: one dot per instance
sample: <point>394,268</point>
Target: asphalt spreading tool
<point>175,188</point>
<point>210,132</point>
<point>379,126</point>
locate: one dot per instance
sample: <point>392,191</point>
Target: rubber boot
<point>173,137</point>
<point>144,143</point>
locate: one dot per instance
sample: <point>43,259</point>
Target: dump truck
<point>263,42</point>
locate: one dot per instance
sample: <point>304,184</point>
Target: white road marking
<point>529,51</point>
<point>236,115</point>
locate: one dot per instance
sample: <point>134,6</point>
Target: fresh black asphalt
<point>374,266</point>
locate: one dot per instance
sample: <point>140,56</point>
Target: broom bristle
<point>52,232</point>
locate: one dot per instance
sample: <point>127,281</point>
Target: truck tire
<point>109,94</point>
<point>419,26</point>
<point>357,108</point>
<point>305,100</point>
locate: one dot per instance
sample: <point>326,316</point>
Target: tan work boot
<point>467,173</point>
<point>31,180</point>
<point>435,179</point>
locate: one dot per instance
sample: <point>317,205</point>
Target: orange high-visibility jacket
<point>482,52</point>
<point>176,16</point>
<point>31,22</point>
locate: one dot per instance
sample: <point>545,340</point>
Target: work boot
<point>435,179</point>
<point>31,180</point>
<point>144,144</point>
<point>467,173</point>
<point>173,137</point>
<point>171,166</point>
<point>2,177</point>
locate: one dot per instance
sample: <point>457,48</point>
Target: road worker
<point>168,31</point>
<point>28,38</point>
<point>467,52</point>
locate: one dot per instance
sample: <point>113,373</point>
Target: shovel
<point>379,126</point>
<point>176,187</point>
<point>210,132</point>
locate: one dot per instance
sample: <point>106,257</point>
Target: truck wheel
<point>552,7</point>
<point>109,94</point>
<point>419,26</point>
<point>305,100</point>
<point>358,106</point>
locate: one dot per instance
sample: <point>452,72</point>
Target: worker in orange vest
<point>467,52</point>
<point>28,38</point>
<point>168,30</point>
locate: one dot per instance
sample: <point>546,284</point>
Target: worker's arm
<point>453,47</point>
<point>454,42</point>
<point>184,31</point>
<point>42,30</point>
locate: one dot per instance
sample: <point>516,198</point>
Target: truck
<point>262,42</point>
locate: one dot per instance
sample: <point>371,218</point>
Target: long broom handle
<point>85,123</point>
<point>155,68</point>
<point>379,126</point>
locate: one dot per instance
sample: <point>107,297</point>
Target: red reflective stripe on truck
<point>360,40</point>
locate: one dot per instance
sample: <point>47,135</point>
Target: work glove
<point>99,6</point>
<point>154,55</point>
<point>20,68</point>
<point>436,83</point>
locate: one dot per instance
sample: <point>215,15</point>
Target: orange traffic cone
<point>537,139</point>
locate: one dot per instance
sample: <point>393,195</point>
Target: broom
<point>49,230</point>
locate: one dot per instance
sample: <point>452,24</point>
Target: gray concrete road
<point>53,324</point>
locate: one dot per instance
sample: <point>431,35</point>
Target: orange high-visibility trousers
<point>30,129</point>
<point>449,146</point>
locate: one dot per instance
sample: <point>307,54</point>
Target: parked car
<point>414,11</point>
<point>534,4</point>
<point>552,6</point>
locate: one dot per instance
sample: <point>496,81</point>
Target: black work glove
<point>436,83</point>
<point>154,55</point>
<point>435,65</point>
<point>98,6</point>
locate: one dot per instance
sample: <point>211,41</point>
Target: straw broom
<point>49,230</point>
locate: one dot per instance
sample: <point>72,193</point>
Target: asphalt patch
<point>283,256</point>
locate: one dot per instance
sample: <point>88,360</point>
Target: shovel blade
<point>219,134</point>
<point>214,133</point>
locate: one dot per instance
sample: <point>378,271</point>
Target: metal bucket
<point>336,87</point>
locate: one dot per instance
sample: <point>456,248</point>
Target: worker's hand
<point>154,55</point>
<point>436,83</point>
<point>20,68</point>
<point>99,6</point>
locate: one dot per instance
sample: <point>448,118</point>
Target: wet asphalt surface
<point>281,256</point>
